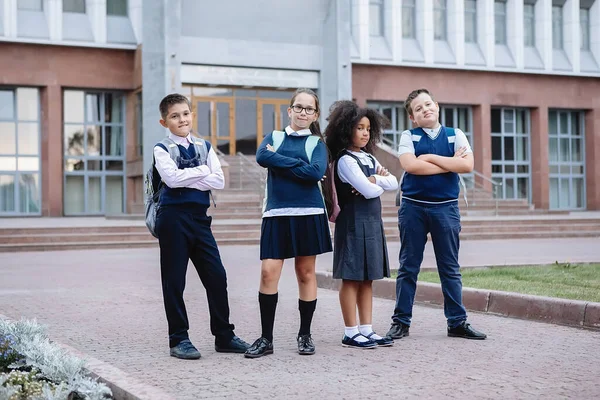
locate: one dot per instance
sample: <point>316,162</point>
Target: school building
<point>80,83</point>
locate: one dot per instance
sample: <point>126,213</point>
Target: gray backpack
<point>154,185</point>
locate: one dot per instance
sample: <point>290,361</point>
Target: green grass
<point>567,281</point>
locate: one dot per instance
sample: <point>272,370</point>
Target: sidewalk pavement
<point>108,304</point>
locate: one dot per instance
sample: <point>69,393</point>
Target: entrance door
<point>215,121</point>
<point>271,115</point>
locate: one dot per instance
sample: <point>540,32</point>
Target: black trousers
<point>184,233</point>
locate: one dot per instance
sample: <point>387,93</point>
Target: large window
<point>459,117</point>
<point>584,23</point>
<point>529,25</point>
<point>94,152</point>
<point>20,190</point>
<point>510,151</point>
<point>567,159</point>
<point>399,120</point>
<point>30,5</point>
<point>74,6</point>
<point>116,7</point>
<point>557,27</point>
<point>500,22</point>
<point>376,17</point>
<point>440,30</point>
<point>409,30</point>
<point>470,21</point>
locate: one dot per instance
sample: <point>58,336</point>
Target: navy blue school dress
<point>294,219</point>
<point>360,250</point>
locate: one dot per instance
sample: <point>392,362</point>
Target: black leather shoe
<point>465,331</point>
<point>261,347</point>
<point>398,331</point>
<point>235,345</point>
<point>185,350</point>
<point>305,345</point>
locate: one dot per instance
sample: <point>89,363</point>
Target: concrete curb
<point>509,304</point>
<point>122,386</point>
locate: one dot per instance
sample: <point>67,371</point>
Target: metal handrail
<point>250,169</point>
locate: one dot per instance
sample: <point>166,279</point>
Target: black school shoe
<point>185,350</point>
<point>398,330</point>
<point>465,331</point>
<point>260,347</point>
<point>353,343</point>
<point>383,342</point>
<point>306,345</point>
<point>235,345</point>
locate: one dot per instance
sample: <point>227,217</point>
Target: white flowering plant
<point>33,368</point>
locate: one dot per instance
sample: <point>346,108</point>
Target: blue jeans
<point>442,221</point>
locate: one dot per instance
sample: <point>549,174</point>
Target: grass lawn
<point>567,281</point>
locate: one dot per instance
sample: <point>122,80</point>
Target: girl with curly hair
<point>360,251</point>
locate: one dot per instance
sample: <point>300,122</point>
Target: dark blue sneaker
<point>235,345</point>
<point>352,342</point>
<point>383,342</point>
<point>185,350</point>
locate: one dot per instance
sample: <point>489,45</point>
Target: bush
<point>33,368</point>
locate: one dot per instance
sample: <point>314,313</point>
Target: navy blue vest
<point>435,188</point>
<point>176,196</point>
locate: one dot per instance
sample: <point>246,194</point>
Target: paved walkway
<point>108,304</point>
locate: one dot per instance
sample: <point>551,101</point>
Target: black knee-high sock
<point>268,305</point>
<point>307,309</point>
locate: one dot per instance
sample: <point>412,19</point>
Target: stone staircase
<point>237,221</point>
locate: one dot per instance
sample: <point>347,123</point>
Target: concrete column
<point>134,8</point>
<point>482,142</point>
<point>540,170</point>
<point>362,11</point>
<point>485,31</point>
<point>335,81</point>
<point>52,151</point>
<point>543,31</point>
<point>456,30</point>
<point>516,32</point>
<point>161,65</point>
<point>10,19</point>
<point>96,11</point>
<point>571,31</point>
<point>424,13</point>
<point>592,155</point>
<point>53,11</point>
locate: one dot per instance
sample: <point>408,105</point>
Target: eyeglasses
<point>298,109</point>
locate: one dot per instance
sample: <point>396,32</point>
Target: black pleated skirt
<point>290,236</point>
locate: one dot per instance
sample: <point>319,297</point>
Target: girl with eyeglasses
<point>294,221</point>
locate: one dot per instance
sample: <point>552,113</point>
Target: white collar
<point>181,140</point>
<point>302,132</point>
<point>432,132</point>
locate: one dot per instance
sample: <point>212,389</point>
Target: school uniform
<point>184,233</point>
<point>430,205</point>
<point>360,250</point>
<point>294,220</point>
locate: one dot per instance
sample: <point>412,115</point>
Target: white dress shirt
<point>350,172</point>
<point>406,144</point>
<point>203,177</point>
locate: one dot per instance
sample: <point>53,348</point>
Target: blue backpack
<point>154,185</point>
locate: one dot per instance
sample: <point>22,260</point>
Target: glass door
<point>215,121</point>
<point>271,115</point>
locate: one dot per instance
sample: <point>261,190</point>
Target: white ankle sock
<point>350,331</point>
<point>367,330</point>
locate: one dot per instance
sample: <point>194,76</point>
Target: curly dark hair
<point>344,116</point>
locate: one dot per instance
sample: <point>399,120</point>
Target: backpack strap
<point>201,150</point>
<point>278,137</point>
<point>309,146</point>
<point>172,148</point>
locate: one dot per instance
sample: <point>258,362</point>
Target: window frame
<point>471,15</point>
<point>500,17</point>
<point>440,33</point>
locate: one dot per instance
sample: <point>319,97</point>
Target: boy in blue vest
<point>432,156</point>
<point>184,233</point>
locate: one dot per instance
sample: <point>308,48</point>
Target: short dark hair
<point>344,116</point>
<point>413,95</point>
<point>170,100</point>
